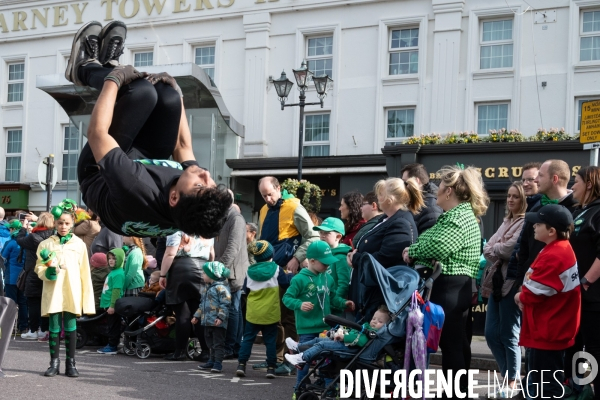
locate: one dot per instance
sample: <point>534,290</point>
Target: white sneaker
<point>41,335</point>
<point>29,335</point>
<point>295,359</point>
<point>291,344</point>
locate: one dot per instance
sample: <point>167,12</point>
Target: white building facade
<point>400,67</point>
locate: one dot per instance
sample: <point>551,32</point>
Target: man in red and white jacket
<point>550,301</point>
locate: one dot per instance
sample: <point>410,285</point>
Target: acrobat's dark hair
<point>202,214</point>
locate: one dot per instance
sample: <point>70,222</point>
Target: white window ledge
<point>493,73</point>
<point>587,67</point>
<point>407,79</point>
<point>13,105</point>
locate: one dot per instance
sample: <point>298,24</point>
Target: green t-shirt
<point>114,280</point>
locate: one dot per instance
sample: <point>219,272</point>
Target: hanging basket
<point>309,194</point>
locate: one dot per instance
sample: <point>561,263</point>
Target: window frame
<point>582,34</point>
<point>205,66</point>
<point>393,141</point>
<point>8,155</point>
<point>69,152</point>
<point>399,50</point>
<point>492,103</point>
<point>15,81</point>
<point>308,58</point>
<point>496,42</point>
<point>142,51</point>
<point>318,142</point>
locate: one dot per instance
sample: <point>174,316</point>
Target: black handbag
<point>21,280</point>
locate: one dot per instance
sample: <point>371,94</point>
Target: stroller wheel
<point>129,347</point>
<point>82,338</point>
<point>309,396</point>
<point>142,350</point>
<point>193,349</point>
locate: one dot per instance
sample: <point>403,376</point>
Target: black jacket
<point>586,244</point>
<point>29,244</point>
<point>364,229</point>
<point>528,246</point>
<point>428,216</point>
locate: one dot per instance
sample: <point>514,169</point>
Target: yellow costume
<point>72,291</point>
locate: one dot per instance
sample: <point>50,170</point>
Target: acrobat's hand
<point>164,78</point>
<point>124,75</point>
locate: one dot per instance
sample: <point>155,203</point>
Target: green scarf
<point>545,200</point>
<point>66,238</point>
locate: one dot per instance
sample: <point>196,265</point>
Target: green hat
<point>14,224</point>
<point>321,251</point>
<point>215,270</point>
<point>47,256</point>
<point>331,224</point>
<point>67,205</point>
<point>261,250</point>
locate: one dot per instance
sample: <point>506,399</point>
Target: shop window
<point>70,153</point>
<point>400,124</point>
<point>143,59</point>
<point>14,141</point>
<point>16,82</point>
<point>316,135</point>
<point>404,51</point>
<point>319,55</point>
<point>496,45</point>
<point>589,44</point>
<point>205,57</point>
<point>491,116</point>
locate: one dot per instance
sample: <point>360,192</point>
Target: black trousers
<point>588,336</point>
<point>215,340</point>
<point>545,372</point>
<point>34,306</point>
<point>146,118</point>
<point>114,329</point>
<point>453,294</point>
<point>183,326</point>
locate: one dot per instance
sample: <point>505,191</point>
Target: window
<point>205,58</point>
<point>316,135</point>
<point>143,59</point>
<point>400,124</point>
<point>319,54</point>
<point>14,139</point>
<point>70,153</point>
<point>496,44</point>
<point>16,78</point>
<point>491,116</point>
<point>589,45</point>
<point>404,51</point>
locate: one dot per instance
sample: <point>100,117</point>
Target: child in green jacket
<point>331,232</point>
<point>311,296</point>
<point>113,291</point>
<point>341,340</point>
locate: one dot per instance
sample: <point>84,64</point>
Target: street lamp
<point>283,86</point>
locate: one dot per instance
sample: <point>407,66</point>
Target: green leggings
<point>66,317</point>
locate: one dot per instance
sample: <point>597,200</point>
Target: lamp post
<point>283,86</point>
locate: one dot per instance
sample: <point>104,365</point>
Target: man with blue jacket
<point>14,261</point>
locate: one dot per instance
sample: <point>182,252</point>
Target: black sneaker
<point>241,370</point>
<point>270,373</point>
<point>112,40</point>
<point>84,50</point>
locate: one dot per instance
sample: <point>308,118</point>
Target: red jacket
<point>347,239</point>
<point>551,298</point>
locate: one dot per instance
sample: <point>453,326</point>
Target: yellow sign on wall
<point>590,122</point>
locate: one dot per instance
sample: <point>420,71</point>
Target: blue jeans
<point>502,330</point>
<point>12,292</point>
<point>319,345</point>
<point>269,334</point>
<point>234,325</point>
<point>304,371</point>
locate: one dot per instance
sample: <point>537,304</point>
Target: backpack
<point>433,322</point>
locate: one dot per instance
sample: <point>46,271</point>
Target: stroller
<point>150,330</point>
<point>385,348</point>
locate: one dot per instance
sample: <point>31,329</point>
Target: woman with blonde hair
<point>455,242</point>
<point>394,231</point>
<point>502,320</point>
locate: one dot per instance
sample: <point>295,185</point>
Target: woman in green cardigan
<point>455,242</point>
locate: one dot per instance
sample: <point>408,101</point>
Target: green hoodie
<point>340,272</point>
<point>115,281</point>
<point>316,289</point>
<point>358,338</point>
<point>134,275</point>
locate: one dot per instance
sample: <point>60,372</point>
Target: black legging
<point>183,327</point>
<point>146,117</point>
<point>34,306</point>
<point>453,294</point>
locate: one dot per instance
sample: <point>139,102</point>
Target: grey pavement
<point>120,376</point>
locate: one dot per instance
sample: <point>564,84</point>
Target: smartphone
<point>22,216</point>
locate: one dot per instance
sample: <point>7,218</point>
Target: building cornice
<point>308,162</point>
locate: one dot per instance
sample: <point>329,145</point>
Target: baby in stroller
<point>341,339</point>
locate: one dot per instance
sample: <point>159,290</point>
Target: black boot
<point>54,343</point>
<point>70,343</point>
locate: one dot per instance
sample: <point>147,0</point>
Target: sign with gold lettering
<point>590,122</point>
<point>511,173</point>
